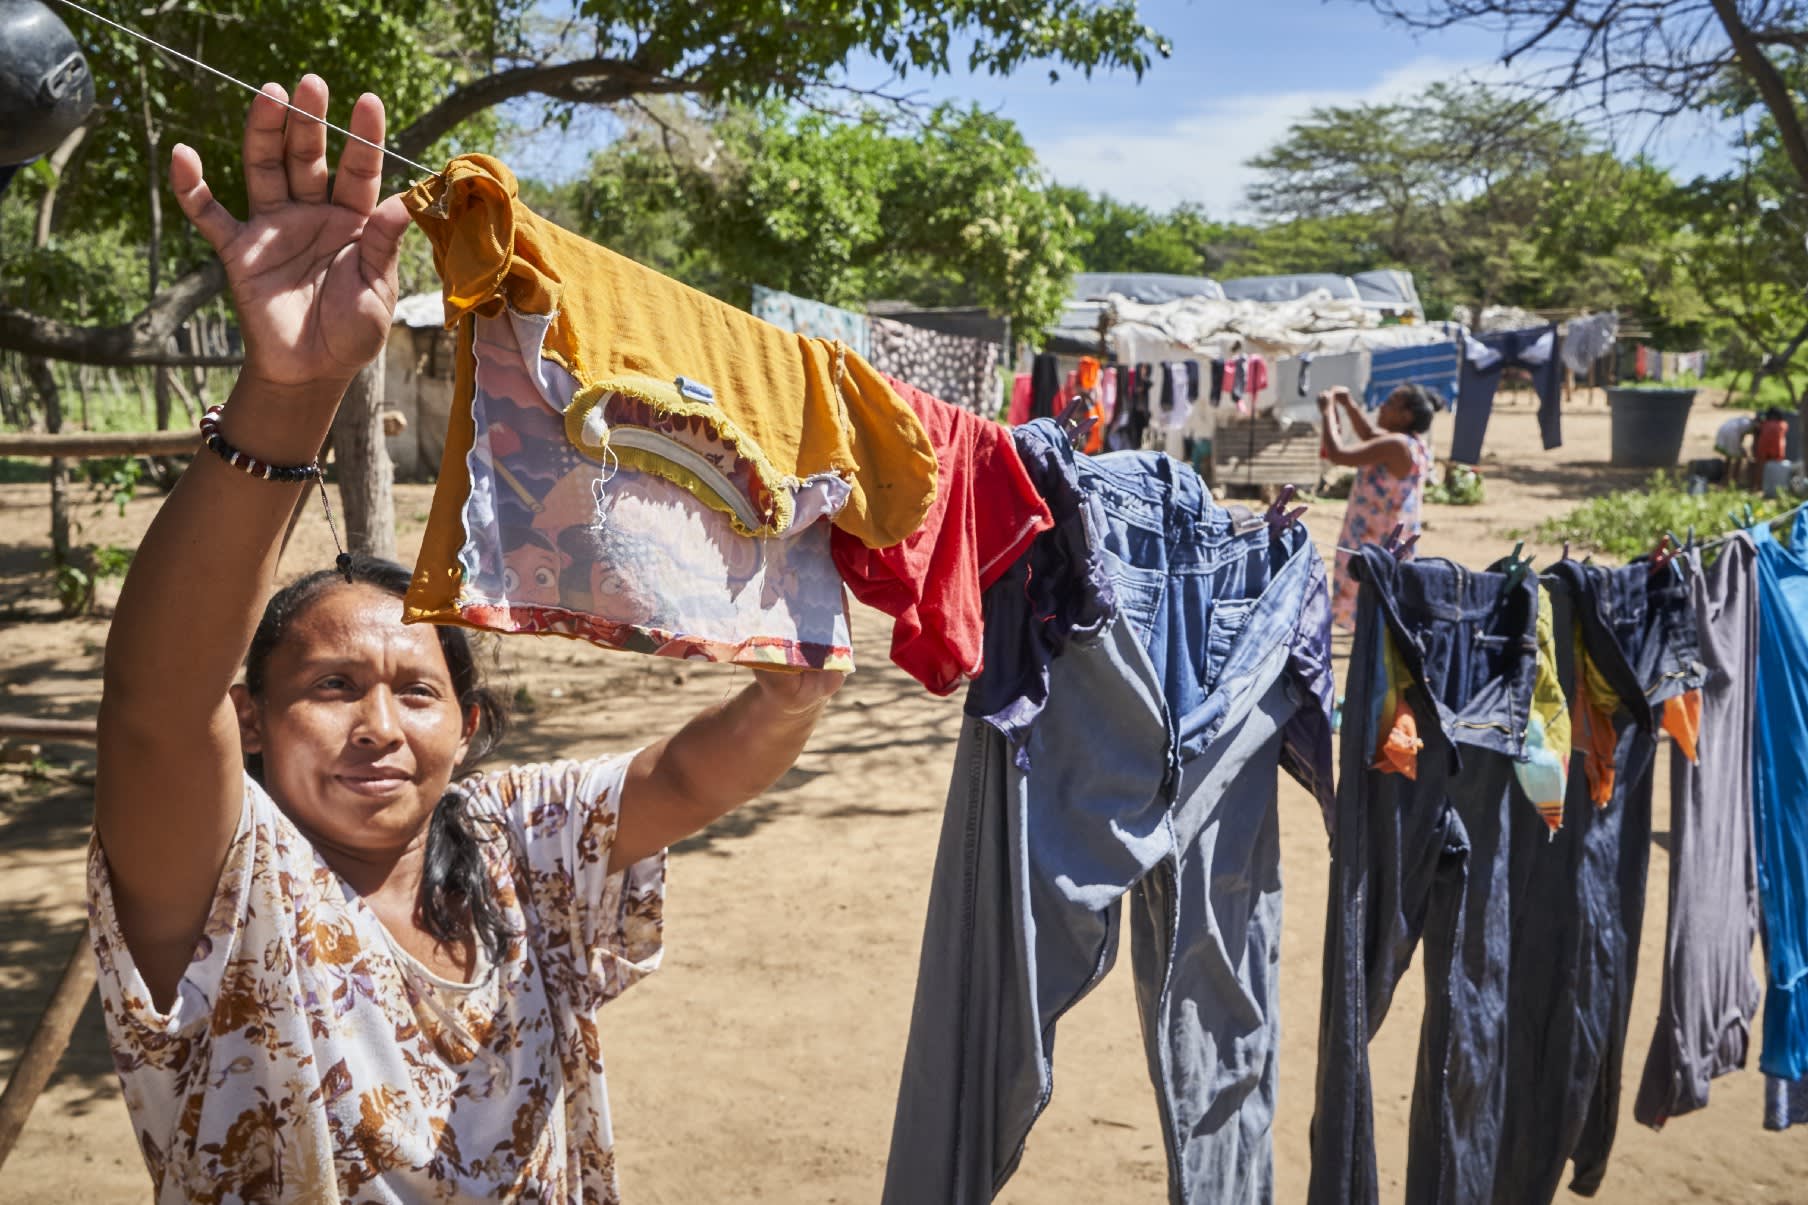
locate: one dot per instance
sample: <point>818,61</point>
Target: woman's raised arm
<point>313,278</point>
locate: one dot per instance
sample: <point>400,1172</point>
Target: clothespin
<point>1279,517</point>
<point>1392,543</point>
<point>1517,566</point>
<point>1751,520</point>
<point>1565,555</point>
<point>1077,420</point>
<point>1660,557</point>
<point>1405,549</point>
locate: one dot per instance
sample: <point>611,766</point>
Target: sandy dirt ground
<point>760,1063</point>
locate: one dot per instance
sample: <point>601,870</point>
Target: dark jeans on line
<point>1147,770</point>
<point>1424,861</point>
<point>1477,387</point>
<point>1578,895</point>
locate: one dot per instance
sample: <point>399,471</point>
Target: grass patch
<point>1772,391</point>
<point>1628,523</point>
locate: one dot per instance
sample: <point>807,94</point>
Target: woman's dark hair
<point>1421,405</point>
<point>454,885</point>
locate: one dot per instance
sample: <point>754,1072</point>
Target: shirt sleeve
<point>161,1041</point>
<point>603,929</point>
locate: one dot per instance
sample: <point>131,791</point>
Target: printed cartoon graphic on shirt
<point>557,538</point>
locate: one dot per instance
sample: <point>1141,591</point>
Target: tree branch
<point>1557,19</point>
<point>143,340</point>
<point>588,81</point>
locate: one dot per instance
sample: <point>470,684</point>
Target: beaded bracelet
<point>216,442</point>
<point>211,436</point>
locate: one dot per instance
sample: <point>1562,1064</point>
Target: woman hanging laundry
<point>329,971</point>
<point>1392,460</point>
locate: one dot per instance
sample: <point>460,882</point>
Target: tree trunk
<point>59,159</point>
<point>1773,89</point>
<point>44,380</point>
<point>366,478</point>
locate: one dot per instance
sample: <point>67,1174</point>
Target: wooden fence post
<point>47,1044</point>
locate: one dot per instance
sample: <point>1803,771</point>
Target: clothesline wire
<point>189,58</point>
<point>1773,521</point>
<point>1704,545</point>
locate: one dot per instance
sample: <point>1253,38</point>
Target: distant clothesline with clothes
<point>1463,366</point>
<point>1166,368</point>
<point>958,369</point>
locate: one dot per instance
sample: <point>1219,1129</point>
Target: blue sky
<point>1241,72</point>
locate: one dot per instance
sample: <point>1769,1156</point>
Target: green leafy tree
<point>1486,197</point>
<point>1117,236</point>
<point>1740,58</point>
<point>949,210</point>
<point>1608,234</point>
<point>1745,251</point>
<point>1341,243</point>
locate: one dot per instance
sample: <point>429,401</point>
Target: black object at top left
<point>46,90</point>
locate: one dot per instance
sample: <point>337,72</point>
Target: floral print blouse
<point>1379,501</point>
<point>308,1058</point>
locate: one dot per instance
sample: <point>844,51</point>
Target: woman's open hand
<point>313,276</point>
<point>797,691</point>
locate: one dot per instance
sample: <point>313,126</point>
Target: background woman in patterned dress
<point>1392,460</point>
<point>344,977</point>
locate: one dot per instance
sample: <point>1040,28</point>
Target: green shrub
<point>1772,391</point>
<point>1462,486</point>
<point>1628,523</point>
<point>114,479</point>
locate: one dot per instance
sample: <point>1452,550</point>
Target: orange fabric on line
<point>433,593</point>
<point>1591,724</point>
<point>1682,720</point>
<point>1399,752</point>
<point>793,405</point>
<point>1095,438</point>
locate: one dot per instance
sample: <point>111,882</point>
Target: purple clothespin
<point>1077,427</point>
<point>1279,517</point>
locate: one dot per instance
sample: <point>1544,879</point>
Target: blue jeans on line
<point>1475,393</point>
<point>1579,894</point>
<point>1147,772</point>
<point>1423,862</point>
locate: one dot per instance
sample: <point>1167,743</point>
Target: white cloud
<point>1199,155</point>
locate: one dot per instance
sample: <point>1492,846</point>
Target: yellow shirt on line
<point>794,405</point>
